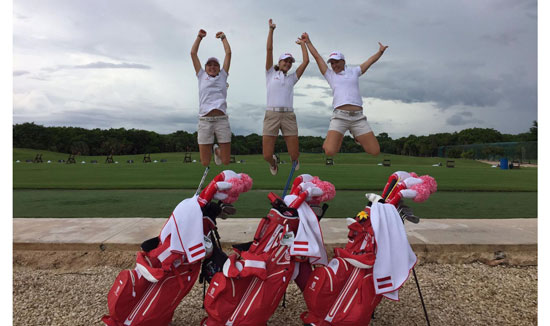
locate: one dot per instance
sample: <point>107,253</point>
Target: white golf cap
<point>213,59</point>
<point>286,55</point>
<point>336,55</point>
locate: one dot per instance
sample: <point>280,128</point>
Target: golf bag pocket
<point>222,297</point>
<point>246,301</point>
<point>320,291</point>
<point>154,303</point>
<point>340,294</point>
<point>126,291</point>
<point>252,284</point>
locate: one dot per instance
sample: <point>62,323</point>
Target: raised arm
<point>305,58</point>
<point>365,65</point>
<point>195,50</point>
<point>227,48</point>
<point>269,48</point>
<point>320,62</point>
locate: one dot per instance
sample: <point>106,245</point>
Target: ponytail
<point>276,67</point>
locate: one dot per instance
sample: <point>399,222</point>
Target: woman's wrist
<point>222,37</point>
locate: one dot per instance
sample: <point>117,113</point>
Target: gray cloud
<point>249,118</point>
<point>98,65</point>
<point>318,103</point>
<point>310,86</point>
<point>109,65</point>
<point>461,119</point>
<point>501,39</point>
<point>19,73</point>
<point>443,58</point>
<point>19,16</point>
<point>163,120</point>
<point>312,124</point>
<point>446,86</point>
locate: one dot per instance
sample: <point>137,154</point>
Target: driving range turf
<point>469,190</point>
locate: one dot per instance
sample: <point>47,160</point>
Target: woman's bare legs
<point>292,147</point>
<point>369,143</point>
<point>205,153</point>
<point>225,153</point>
<point>333,142</point>
<point>334,139</point>
<point>268,148</point>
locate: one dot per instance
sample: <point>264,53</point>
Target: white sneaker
<point>297,165</point>
<point>274,168</point>
<point>217,158</point>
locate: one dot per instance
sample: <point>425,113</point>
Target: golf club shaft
<point>289,177</point>
<point>202,180</point>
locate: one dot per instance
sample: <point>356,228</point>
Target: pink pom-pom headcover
<point>328,191</point>
<point>424,189</point>
<point>238,186</point>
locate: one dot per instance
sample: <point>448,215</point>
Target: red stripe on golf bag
<point>342,293</point>
<point>135,301</point>
<point>251,300</point>
<point>126,291</point>
<point>154,303</point>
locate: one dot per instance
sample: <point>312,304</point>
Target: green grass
<point>350,172</point>
<point>160,203</point>
<point>470,190</point>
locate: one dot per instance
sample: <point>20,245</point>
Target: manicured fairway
<point>161,202</point>
<point>350,172</point>
<point>470,190</point>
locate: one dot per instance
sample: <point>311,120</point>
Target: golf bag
<point>168,265</point>
<point>375,263</point>
<point>286,242</point>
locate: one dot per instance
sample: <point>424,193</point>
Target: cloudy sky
<point>450,65</point>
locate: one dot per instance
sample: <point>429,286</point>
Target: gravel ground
<point>70,288</point>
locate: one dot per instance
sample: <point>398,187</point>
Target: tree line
<point>121,141</point>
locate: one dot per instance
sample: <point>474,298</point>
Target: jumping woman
<point>347,102</point>
<point>279,114</point>
<point>213,119</point>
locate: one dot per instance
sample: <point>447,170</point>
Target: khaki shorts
<point>285,121</point>
<point>210,126</point>
<point>354,121</point>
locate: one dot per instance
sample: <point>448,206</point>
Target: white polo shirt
<point>345,86</point>
<point>280,88</point>
<point>212,92</point>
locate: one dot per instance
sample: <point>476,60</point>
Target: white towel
<point>394,256</point>
<point>186,230</point>
<point>308,241</point>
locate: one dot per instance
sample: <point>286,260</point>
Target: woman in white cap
<point>279,114</point>
<point>347,102</point>
<point>213,119</point>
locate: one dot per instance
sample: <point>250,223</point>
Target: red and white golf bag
<point>375,263</point>
<point>286,242</point>
<point>168,265</point>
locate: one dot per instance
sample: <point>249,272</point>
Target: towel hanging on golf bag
<point>375,262</point>
<point>168,265</point>
<point>255,279</point>
<point>342,293</point>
